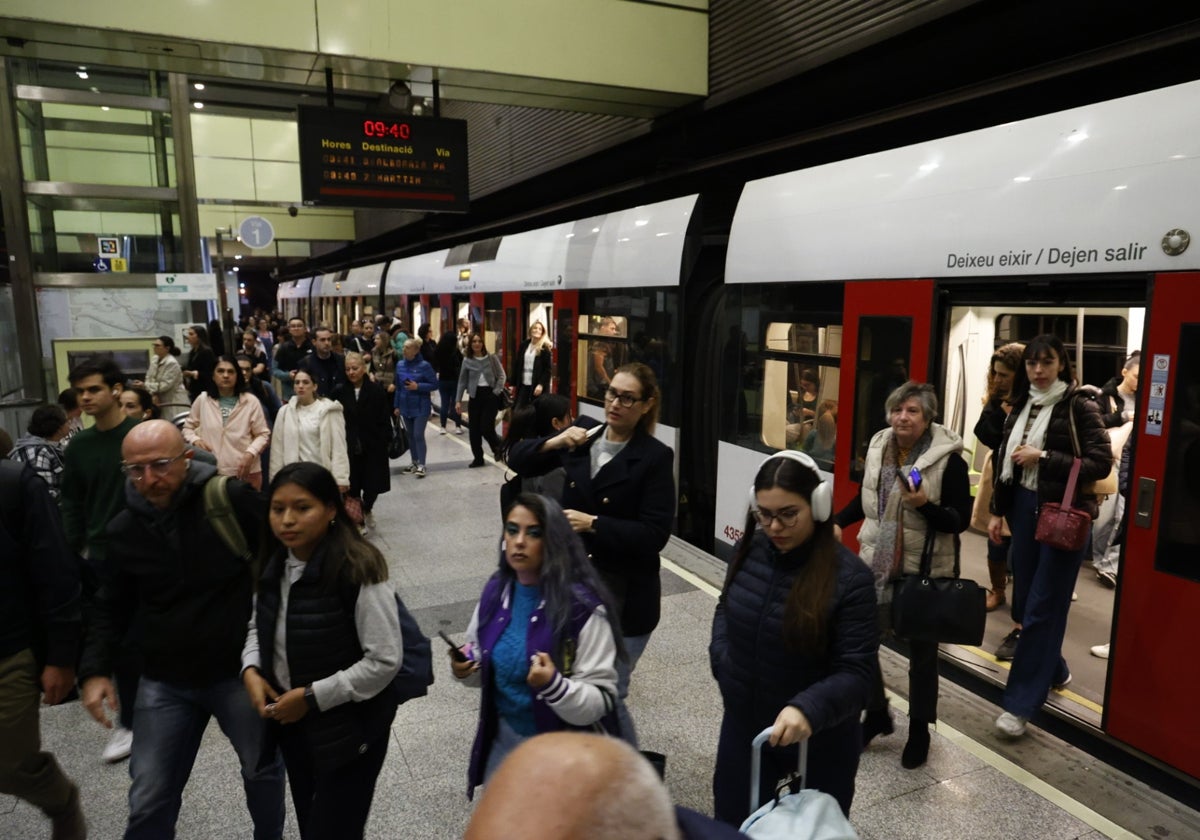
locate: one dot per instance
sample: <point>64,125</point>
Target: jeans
<point>507,739</point>
<point>25,771</point>
<point>416,437</point>
<point>446,389</point>
<point>635,646</point>
<point>1106,547</point>
<point>1043,580</point>
<point>167,729</point>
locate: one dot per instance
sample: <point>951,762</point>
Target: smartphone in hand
<point>911,479</point>
<point>455,653</point>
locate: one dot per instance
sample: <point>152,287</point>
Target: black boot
<point>877,722</point>
<point>917,748</point>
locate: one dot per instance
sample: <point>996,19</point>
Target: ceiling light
<point>1021,179</point>
<point>595,230</point>
<point>1077,137</point>
<point>238,257</point>
<point>81,74</point>
<point>199,106</point>
<point>103,107</point>
<point>199,85</point>
<point>928,167</point>
<point>642,222</point>
<point>1121,187</point>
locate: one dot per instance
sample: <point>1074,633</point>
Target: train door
<point>1153,679</point>
<point>886,340</point>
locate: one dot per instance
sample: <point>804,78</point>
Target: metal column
<point>185,172</point>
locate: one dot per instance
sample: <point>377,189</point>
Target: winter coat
<point>633,498</point>
<point>245,431</point>
<point>368,433</point>
<point>447,361</point>
<point>164,380</point>
<point>285,448</point>
<point>541,367</point>
<point>759,673</point>
<point>1053,471</point>
<point>414,403</point>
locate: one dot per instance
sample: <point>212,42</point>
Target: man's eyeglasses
<point>158,469</point>
<point>623,400</point>
<point>786,517</point>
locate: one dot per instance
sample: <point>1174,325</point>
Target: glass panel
<point>564,332</point>
<point>882,366</point>
<point>1178,549</point>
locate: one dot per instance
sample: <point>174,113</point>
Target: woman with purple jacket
<point>542,644</point>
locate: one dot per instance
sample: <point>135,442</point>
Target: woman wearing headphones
<point>794,642</point>
<point>915,481</point>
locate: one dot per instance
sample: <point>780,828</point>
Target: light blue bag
<point>804,815</point>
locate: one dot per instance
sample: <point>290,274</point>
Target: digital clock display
<point>364,159</point>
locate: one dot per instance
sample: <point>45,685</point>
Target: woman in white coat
<point>311,428</point>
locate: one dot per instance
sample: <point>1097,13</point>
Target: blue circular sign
<point>256,232</point>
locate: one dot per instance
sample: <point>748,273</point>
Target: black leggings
<point>481,420</point>
<point>922,682</point>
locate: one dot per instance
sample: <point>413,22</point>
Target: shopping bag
<point>805,814</point>
<point>398,445</point>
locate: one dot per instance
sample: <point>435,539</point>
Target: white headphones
<point>822,496</point>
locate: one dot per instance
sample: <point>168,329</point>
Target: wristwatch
<point>311,699</point>
<point>1045,454</point>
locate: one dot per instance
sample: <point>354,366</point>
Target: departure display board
<point>366,159</point>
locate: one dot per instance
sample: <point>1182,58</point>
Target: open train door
<point>1153,682</point>
<point>886,340</point>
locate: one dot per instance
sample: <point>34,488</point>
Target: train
<point>844,279</point>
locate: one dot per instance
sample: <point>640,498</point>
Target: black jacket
<point>368,432</point>
<point>321,640</point>
<point>39,575</point>
<point>1114,401</point>
<point>191,594</point>
<point>634,497</point>
<point>204,361</point>
<point>541,367</point>
<point>989,430</point>
<point>759,674</point>
<point>329,373</point>
<point>447,361</point>
<point>1053,472</point>
<point>289,356</point>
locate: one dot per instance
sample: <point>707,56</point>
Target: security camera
<point>293,211</point>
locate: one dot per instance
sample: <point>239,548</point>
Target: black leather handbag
<point>933,609</point>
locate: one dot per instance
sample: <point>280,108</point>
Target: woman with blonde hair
<point>531,372</point>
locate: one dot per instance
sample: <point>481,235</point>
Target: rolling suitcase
<point>803,815</point>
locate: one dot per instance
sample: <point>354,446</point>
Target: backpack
<point>218,510</point>
<point>416,665</point>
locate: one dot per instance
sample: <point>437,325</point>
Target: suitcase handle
<point>756,764</point>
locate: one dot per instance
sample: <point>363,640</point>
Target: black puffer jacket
<point>1053,472</point>
<point>759,674</point>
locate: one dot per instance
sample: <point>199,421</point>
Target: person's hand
<point>581,522</point>
<point>537,390</point>
<point>343,489</point>
<point>914,498</point>
<point>837,532</point>
<point>458,408</point>
<point>391,388</point>
<point>248,460</point>
<point>1026,455</point>
<point>791,727</point>
<point>137,383</point>
<point>410,385</point>
<point>199,443</point>
<point>289,707</point>
<point>260,691</point>
<point>292,374</point>
<point>462,670</point>
<point>541,670</point>
<point>395,411</point>
<point>996,529</point>
<point>99,698</point>
<point>57,682</point>
<point>568,438</point>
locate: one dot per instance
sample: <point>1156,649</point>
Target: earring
<point>331,521</point>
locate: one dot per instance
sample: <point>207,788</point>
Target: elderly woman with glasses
<point>619,495</point>
<point>794,641</point>
<point>915,481</point>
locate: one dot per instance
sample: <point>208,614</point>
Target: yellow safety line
<point>988,756</point>
<point>1061,692</point>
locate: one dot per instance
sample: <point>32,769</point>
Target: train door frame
<point>1149,686</point>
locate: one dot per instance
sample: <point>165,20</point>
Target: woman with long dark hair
<point>481,379</point>
<point>311,428</point>
<point>1033,465</point>
<point>228,421</point>
<point>619,495</point>
<point>545,417</point>
<point>164,379</point>
<point>325,603</point>
<point>543,641</point>
<point>794,641</point>
<point>198,369</point>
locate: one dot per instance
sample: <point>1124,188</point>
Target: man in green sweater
<point>93,492</point>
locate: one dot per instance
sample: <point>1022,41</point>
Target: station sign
<point>376,159</point>
<point>256,232</point>
<point>186,286</point>
<point>109,257</point>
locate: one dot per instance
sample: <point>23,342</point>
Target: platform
<point>440,535</point>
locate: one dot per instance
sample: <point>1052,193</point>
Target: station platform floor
<point>440,535</point>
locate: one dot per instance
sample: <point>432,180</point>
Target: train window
<point>798,400</point>
<point>493,322</point>
<point>1179,525</point>
<point>1097,355</point>
<point>881,367</point>
<point>637,325</point>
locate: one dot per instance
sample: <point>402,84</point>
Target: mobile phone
<point>912,480</point>
<point>455,654</point>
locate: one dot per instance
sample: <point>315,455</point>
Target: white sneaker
<point>1011,725</point>
<point>442,430</point>
<point>119,746</point>
<point>410,469</point>
<point>1100,651</point>
<point>1074,596</point>
<point>458,430</point>
<point>369,520</point>
<point>421,471</point>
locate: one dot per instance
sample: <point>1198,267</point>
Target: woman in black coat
<point>531,367</point>
<point>201,361</point>
<point>368,412</point>
<point>794,641</point>
<point>619,495</point>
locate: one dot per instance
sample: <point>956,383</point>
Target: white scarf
<point>1036,438</point>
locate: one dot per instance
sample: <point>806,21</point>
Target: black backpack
<point>416,667</point>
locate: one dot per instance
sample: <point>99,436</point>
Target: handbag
<point>932,609</point>
<point>354,509</point>
<point>503,397</point>
<point>398,445</point>
<point>1106,486</point>
<point>1060,525</point>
